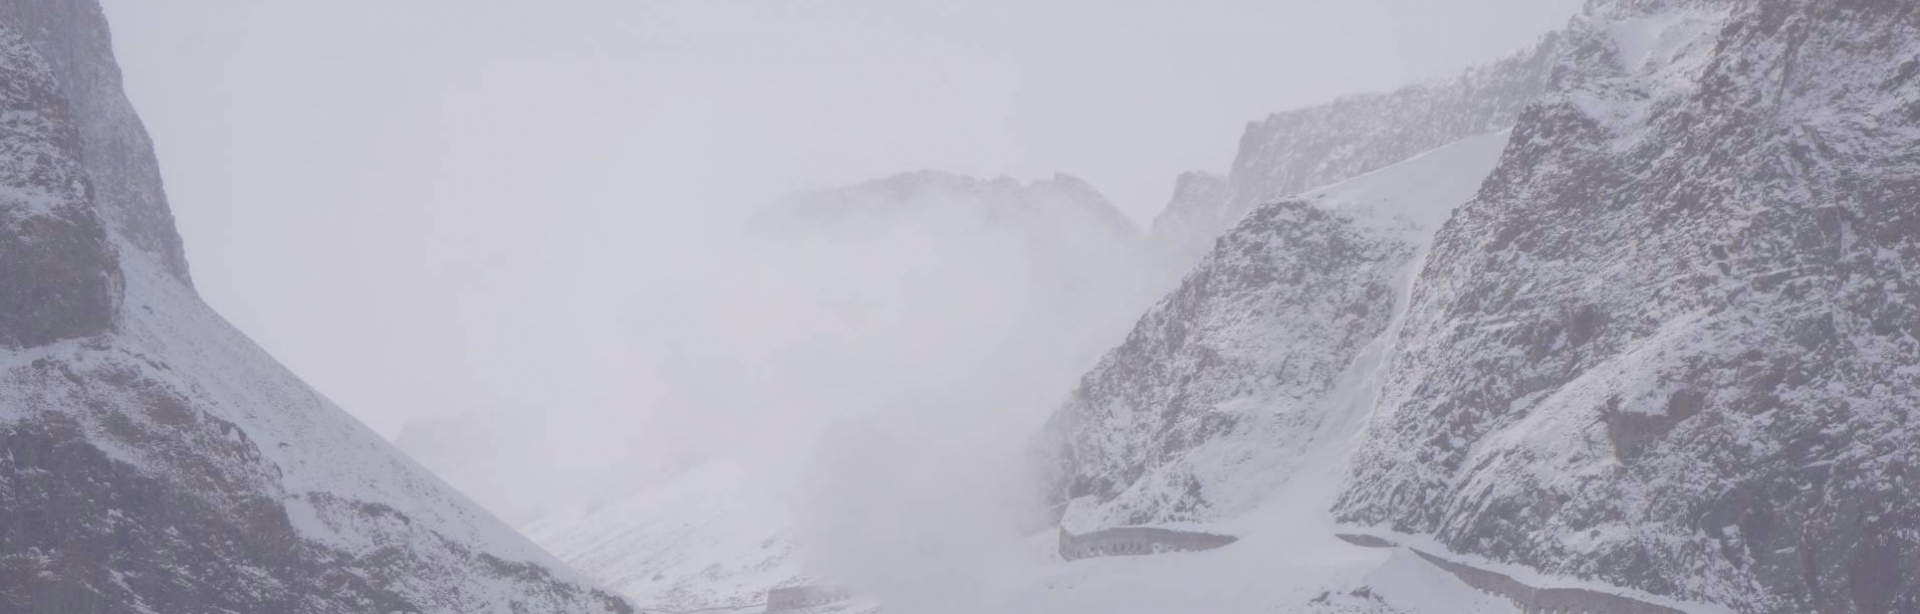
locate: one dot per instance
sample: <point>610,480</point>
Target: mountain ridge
<point>1717,319</point>
<point>156,460</point>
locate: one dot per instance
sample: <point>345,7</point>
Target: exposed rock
<point>72,36</point>
<point>58,276</point>
<point>153,460</point>
<point>1265,348</point>
<point>1672,345</point>
<point>1242,351</point>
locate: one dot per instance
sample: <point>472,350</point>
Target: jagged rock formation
<point>1293,151</point>
<point>154,460</point>
<point>1243,351</point>
<point>1221,387</point>
<point>1671,344</point>
<point>1675,342</point>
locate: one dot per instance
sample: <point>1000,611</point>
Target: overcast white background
<point>427,207</point>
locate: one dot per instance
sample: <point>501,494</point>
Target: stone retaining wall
<point>1136,541</point>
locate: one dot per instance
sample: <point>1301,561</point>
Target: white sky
<point>427,207</point>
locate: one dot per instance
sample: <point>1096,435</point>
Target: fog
<point>562,237</point>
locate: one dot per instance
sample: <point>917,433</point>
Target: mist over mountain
<point>1618,323</point>
<point>900,320</point>
<point>1624,322</point>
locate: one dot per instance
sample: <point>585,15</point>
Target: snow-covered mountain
<point>1672,344</point>
<point>1221,388</point>
<point>1667,349</point>
<point>1234,405</point>
<point>1294,151</point>
<point>152,458</point>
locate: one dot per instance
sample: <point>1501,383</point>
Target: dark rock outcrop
<point>1137,541</point>
<point>58,275</point>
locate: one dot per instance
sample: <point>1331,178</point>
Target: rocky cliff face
<point>1263,332</point>
<point>1293,151</point>
<point>154,460</point>
<point>1264,348</point>
<point>73,40</point>
<point>1672,344</point>
<point>1669,345</point>
<point>58,275</point>
<point>1237,358</point>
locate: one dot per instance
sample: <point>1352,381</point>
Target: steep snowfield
<point>1260,355</point>
<point>1420,190</point>
<point>179,401</point>
<point>1292,151</point>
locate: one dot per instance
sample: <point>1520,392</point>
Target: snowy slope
<point>1287,561</point>
<point>1296,150</point>
<point>1672,345</point>
<point>1260,354</point>
<point>156,460</point>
